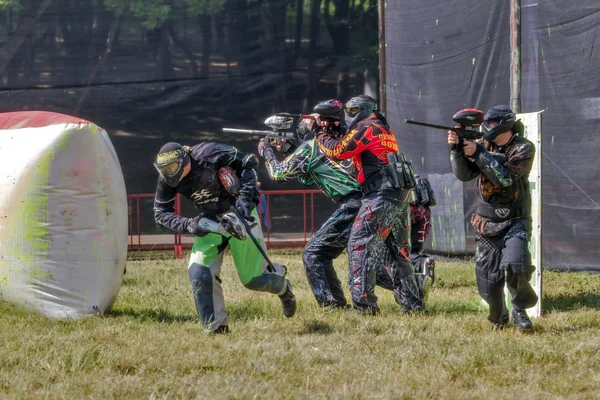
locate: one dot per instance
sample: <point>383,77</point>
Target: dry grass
<point>151,346</point>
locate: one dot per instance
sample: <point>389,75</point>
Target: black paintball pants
<point>324,247</point>
<point>380,245</point>
<point>505,259</point>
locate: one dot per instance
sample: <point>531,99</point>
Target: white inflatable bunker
<point>63,215</point>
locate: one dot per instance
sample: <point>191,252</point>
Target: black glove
<point>232,224</point>
<point>265,149</point>
<point>245,207</point>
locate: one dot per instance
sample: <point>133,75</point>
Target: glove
<point>245,207</point>
<point>232,225</point>
<point>201,226</point>
<point>265,149</point>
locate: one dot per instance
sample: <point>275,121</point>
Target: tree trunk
<point>188,53</point>
<point>110,40</point>
<point>315,11</point>
<point>205,25</point>
<point>278,12</point>
<point>24,29</point>
<point>163,70</point>
<point>297,34</point>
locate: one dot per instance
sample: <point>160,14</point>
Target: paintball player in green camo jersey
<point>336,180</point>
<point>217,178</point>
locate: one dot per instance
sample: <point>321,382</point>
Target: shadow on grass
<point>316,328</point>
<point>566,302</point>
<point>152,315</point>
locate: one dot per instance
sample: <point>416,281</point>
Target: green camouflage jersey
<point>311,166</point>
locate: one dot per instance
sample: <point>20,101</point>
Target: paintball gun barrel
<point>469,117</point>
<point>277,123</point>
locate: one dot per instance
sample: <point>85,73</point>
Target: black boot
<point>288,301</point>
<point>221,330</point>
<point>521,320</point>
<point>408,296</point>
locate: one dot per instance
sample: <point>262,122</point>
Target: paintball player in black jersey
<point>501,162</point>
<point>217,178</point>
<point>380,239</point>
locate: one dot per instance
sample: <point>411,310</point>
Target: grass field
<point>151,346</point>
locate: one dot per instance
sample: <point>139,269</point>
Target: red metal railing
<point>158,242</point>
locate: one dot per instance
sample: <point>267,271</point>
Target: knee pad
<point>200,277</point>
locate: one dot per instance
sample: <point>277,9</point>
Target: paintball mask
<point>497,120</point>
<point>170,161</point>
<point>359,108</point>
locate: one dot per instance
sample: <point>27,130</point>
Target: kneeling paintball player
<point>501,162</point>
<point>221,181</point>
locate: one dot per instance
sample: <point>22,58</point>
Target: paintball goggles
<point>467,118</point>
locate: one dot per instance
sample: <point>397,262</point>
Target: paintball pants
<point>325,246</point>
<point>505,258</point>
<point>205,268</point>
<point>380,245</point>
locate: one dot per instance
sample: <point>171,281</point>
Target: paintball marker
<point>277,123</point>
<point>469,117</point>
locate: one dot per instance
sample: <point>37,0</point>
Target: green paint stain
<point>473,61</point>
<point>432,56</point>
<point>552,141</point>
<point>548,30</point>
<point>419,94</point>
<point>422,160</point>
<point>25,245</point>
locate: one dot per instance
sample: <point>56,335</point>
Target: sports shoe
<point>373,310</point>
<point>521,320</point>
<point>221,330</point>
<point>288,301</point>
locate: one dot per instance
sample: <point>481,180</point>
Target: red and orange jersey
<point>368,144</point>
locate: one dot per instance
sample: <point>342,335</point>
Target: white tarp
<point>63,219</point>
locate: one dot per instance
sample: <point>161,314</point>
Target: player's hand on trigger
<point>452,138</point>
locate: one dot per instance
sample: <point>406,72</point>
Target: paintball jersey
<point>503,173</point>
<point>202,186</point>
<point>367,144</point>
<point>310,166</point>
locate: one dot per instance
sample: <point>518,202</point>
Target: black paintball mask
<point>359,108</point>
<point>497,120</point>
<point>170,162</point>
<point>331,113</point>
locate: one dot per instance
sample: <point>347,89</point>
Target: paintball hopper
<point>279,123</point>
<point>469,117</point>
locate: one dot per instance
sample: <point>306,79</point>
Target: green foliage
<point>154,13</point>
<point>14,5</point>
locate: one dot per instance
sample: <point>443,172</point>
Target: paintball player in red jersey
<point>200,174</point>
<point>380,235</point>
<point>501,162</point>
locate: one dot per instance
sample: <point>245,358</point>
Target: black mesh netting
<point>442,58</point>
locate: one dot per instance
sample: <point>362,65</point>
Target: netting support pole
<point>382,59</point>
<point>515,51</point>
